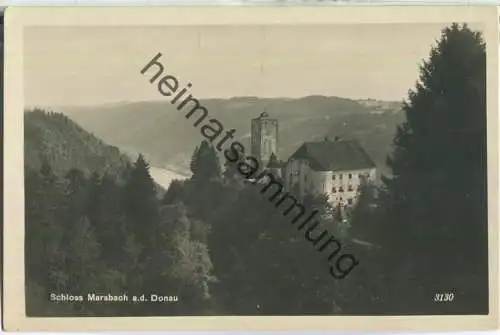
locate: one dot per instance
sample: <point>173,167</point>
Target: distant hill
<point>163,134</point>
<point>65,145</point>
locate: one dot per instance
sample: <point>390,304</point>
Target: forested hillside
<point>99,226</point>
<point>55,138</point>
<point>94,225</point>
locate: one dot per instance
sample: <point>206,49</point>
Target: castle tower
<point>264,138</point>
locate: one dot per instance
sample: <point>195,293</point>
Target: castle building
<point>264,138</point>
<point>276,166</point>
<point>337,168</point>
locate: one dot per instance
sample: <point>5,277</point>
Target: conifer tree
<point>205,163</point>
<point>173,193</point>
<point>76,181</point>
<point>75,194</point>
<point>193,164</point>
<point>141,203</point>
<point>93,201</point>
<point>50,197</point>
<point>37,228</point>
<point>110,234</point>
<point>84,251</point>
<point>362,218</point>
<point>437,212</point>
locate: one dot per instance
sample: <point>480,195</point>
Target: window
<point>349,201</point>
<point>349,188</point>
<point>341,189</point>
<point>350,175</point>
<point>340,176</point>
<point>333,177</point>
<point>334,190</point>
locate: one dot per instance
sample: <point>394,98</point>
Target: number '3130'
<point>444,297</point>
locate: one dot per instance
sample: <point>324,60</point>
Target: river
<point>164,176</point>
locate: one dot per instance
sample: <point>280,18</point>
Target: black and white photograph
<point>245,170</point>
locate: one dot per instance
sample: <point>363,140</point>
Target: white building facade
<point>336,168</point>
<point>333,168</point>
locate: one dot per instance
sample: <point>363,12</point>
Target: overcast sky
<point>88,66</point>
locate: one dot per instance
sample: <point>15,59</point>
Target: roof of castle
<point>274,162</point>
<point>264,116</point>
<point>338,155</point>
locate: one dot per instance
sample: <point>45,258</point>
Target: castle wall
<point>320,182</point>
<point>296,172</point>
<point>344,186</point>
<point>264,138</point>
<point>340,186</point>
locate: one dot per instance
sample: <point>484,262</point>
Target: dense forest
<point>96,223</point>
<point>61,142</point>
<point>111,233</point>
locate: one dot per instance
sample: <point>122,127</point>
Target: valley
<point>164,177</point>
<point>162,133</point>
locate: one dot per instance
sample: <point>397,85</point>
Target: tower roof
<point>339,155</point>
<point>274,162</point>
<point>264,116</point>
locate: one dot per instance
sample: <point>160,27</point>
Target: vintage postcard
<point>251,168</point>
